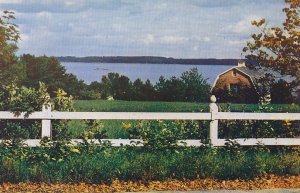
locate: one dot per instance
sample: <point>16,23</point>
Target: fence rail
<point>46,115</point>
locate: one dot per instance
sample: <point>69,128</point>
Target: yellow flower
<point>74,150</point>
<point>287,122</point>
<point>126,125</point>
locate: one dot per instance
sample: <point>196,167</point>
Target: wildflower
<point>110,98</point>
<point>74,150</point>
<point>126,125</point>
<point>287,123</point>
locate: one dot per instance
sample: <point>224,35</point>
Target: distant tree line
<point>147,60</point>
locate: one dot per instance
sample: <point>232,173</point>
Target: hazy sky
<point>171,28</point>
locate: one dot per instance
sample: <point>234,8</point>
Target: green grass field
<point>157,106</point>
<point>114,127</point>
<point>138,106</point>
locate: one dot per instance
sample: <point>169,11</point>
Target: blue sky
<point>171,28</point>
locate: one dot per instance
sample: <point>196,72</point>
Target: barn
<point>248,85</point>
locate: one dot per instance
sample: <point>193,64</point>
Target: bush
<point>21,99</point>
<point>232,129</point>
<point>159,135</point>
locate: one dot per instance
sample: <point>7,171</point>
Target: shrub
<point>231,129</point>
<point>165,134</point>
<point>21,99</point>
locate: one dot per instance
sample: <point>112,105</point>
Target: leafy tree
<point>51,72</point>
<point>195,86</point>
<point>245,94</point>
<point>278,48</point>
<point>94,90</point>
<point>10,69</point>
<point>143,91</point>
<point>149,91</point>
<point>23,99</point>
<point>119,87</point>
<point>281,92</point>
<point>45,69</point>
<point>189,87</point>
<point>170,90</point>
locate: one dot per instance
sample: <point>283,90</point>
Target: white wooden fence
<point>46,115</point>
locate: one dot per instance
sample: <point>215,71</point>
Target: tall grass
<point>136,164</point>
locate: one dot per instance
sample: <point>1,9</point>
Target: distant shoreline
<point>147,60</point>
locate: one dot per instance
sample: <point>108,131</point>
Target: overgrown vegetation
<point>104,164</point>
<point>23,99</point>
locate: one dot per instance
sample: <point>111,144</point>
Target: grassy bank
<point>108,164</point>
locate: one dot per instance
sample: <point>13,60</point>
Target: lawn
<point>138,106</point>
<point>158,106</point>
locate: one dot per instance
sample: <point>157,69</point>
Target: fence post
<point>213,126</point>
<point>46,123</point>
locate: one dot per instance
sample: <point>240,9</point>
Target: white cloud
<point>148,39</point>
<point>44,14</point>
<point>24,37</point>
<point>206,39</point>
<point>11,1</point>
<point>173,39</point>
<point>244,25</point>
<point>70,3</point>
<point>202,38</point>
<point>236,42</point>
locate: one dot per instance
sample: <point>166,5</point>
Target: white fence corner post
<point>213,126</point>
<point>46,123</point>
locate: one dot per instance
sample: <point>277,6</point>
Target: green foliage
<point>53,74</point>
<point>10,70</point>
<point>21,99</point>
<point>281,92</point>
<point>159,135</point>
<point>191,86</point>
<point>244,94</point>
<point>105,164</point>
<point>143,91</point>
<point>232,129</point>
<point>119,87</point>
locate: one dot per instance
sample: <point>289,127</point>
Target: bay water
<point>89,72</point>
